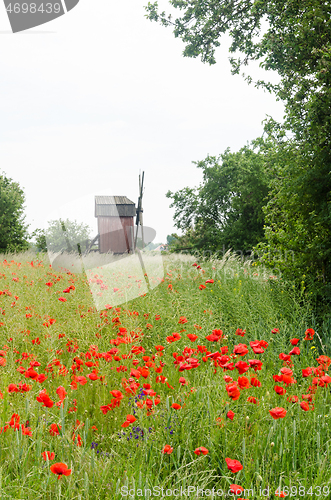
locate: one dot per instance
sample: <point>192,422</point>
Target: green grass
<point>289,452</point>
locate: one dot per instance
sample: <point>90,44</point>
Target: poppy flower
<point>54,430</point>
<point>182,320</point>
<point>295,351</point>
<point>309,333</point>
<point>201,450</point>
<point>253,400</point>
<point>278,412</point>
<point>192,337</point>
<point>167,449</point>
<point>295,341</point>
<point>233,391</point>
<point>240,349</point>
<point>275,330</point>
<point>280,390</point>
<point>230,414</point>
<point>62,299</point>
<point>233,465</point>
<point>304,405</point>
<point>281,494</point>
<point>293,399</point>
<point>240,332</point>
<point>49,455</point>
<point>235,489</point>
<point>243,382</point>
<point>201,287</point>
<point>242,367</point>
<point>129,420</point>
<point>255,382</point>
<point>60,469</point>
<point>209,281</point>
<point>176,406</point>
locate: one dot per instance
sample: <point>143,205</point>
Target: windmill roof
<point>113,200</point>
<point>114,206</point>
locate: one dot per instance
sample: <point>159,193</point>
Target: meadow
<point>214,384</point>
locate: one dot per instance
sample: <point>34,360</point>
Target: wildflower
<point>201,450</point>
<point>192,337</point>
<point>49,455</point>
<point>54,430</point>
<point>62,299</point>
<point>309,333</point>
<point>201,287</point>
<point>209,281</point>
<point>275,330</point>
<point>280,390</point>
<point>233,465</point>
<point>240,349</point>
<point>230,414</point>
<point>242,367</point>
<point>278,412</point>
<point>129,420</point>
<point>253,400</point>
<point>240,332</point>
<point>233,391</point>
<point>235,489</point>
<point>60,469</point>
<point>304,405</point>
<point>295,341</point>
<point>182,320</point>
<point>176,406</point>
<point>167,449</point>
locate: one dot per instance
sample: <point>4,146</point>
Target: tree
<point>226,210</point>
<point>13,230</point>
<point>63,235</point>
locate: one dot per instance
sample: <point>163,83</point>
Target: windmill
<point>139,212</point>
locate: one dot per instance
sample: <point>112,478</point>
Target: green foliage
<point>69,236</point>
<point>226,210</point>
<point>294,41</point>
<point>13,230</point>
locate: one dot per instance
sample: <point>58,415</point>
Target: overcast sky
<point>91,98</point>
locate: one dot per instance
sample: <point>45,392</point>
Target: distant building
<point>161,248</point>
<point>115,223</point>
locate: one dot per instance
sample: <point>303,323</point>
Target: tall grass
<point>289,452</point>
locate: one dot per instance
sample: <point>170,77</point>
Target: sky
<point>92,98</point>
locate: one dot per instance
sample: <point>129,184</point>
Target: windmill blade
<point>139,211</point>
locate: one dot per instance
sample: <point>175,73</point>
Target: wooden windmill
<point>139,211</point>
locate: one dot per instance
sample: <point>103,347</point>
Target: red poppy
<point>192,337</point>
<point>230,414</point>
<point>233,465</point>
<point>233,391</point>
<point>54,430</point>
<point>255,382</point>
<point>281,494</point>
<point>306,371</point>
<point>242,367</point>
<point>182,320</point>
<point>48,454</point>
<point>167,449</point>
<point>129,420</point>
<point>295,351</point>
<point>235,489</point>
<point>324,361</point>
<point>240,349</point>
<point>293,399</point>
<point>176,406</point>
<point>295,341</point>
<point>60,469</point>
<point>278,412</point>
<point>62,299</point>
<point>243,382</point>
<point>304,405</point>
<point>201,287</point>
<point>280,390</point>
<point>210,281</point>
<point>201,450</point>
<point>240,332</point>
<point>253,400</point>
<point>309,333</point>
<point>275,330</point>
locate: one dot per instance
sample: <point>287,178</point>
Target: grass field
<point>197,389</point>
